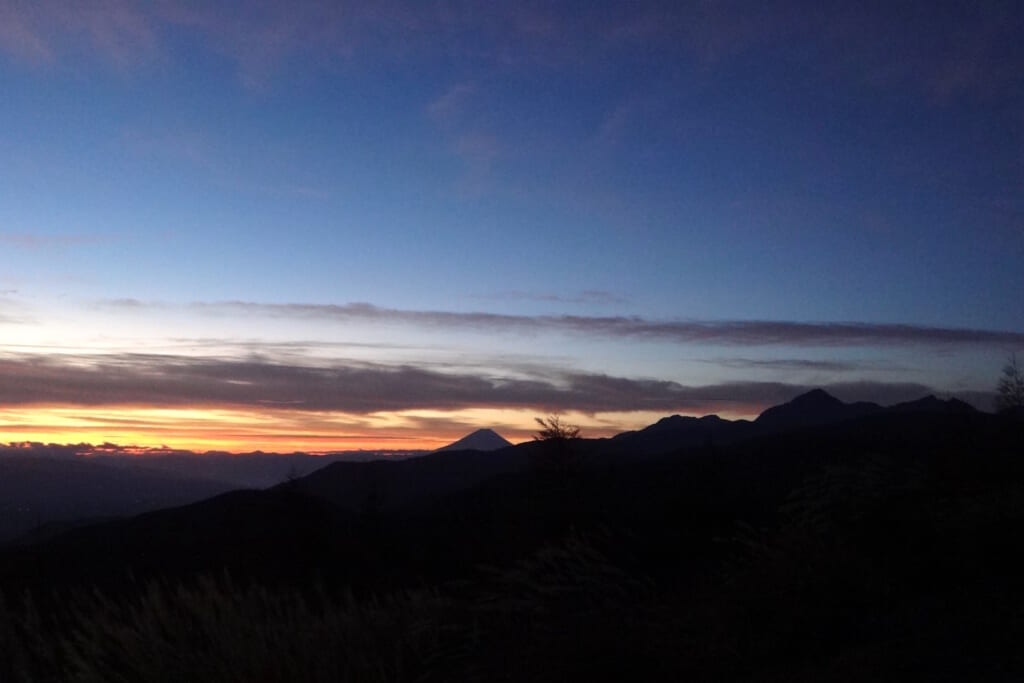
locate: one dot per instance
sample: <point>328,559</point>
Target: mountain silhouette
<point>61,490</point>
<point>677,431</point>
<point>931,404</point>
<point>393,484</point>
<point>815,408</point>
<point>481,494</point>
<point>480,440</point>
<point>819,530</point>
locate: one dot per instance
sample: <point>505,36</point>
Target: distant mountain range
<point>37,491</point>
<point>60,487</point>
<point>56,487</point>
<point>892,520</point>
<point>814,409</point>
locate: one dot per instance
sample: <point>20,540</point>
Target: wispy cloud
<point>942,50</point>
<point>468,138</point>
<point>18,37</point>
<point>260,37</point>
<point>730,332</point>
<point>449,104</point>
<point>157,381</point>
<point>587,297</point>
<point>787,364</point>
<point>121,32</point>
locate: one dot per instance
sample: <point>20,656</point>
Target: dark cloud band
<point>169,381</point>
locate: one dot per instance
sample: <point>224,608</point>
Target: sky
<point>327,225</point>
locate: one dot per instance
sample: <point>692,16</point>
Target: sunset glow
<point>305,229</point>
<point>240,431</point>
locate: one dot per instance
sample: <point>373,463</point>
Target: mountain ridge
<point>392,484</point>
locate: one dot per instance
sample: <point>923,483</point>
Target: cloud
<point>163,381</point>
<point>18,37</point>
<point>160,381</point>
<point>121,32</point>
<point>258,36</point>
<point>946,50</point>
<point>470,141</point>
<point>262,347</point>
<point>942,52</point>
<point>787,364</point>
<point>586,297</point>
<point>728,332</point>
<point>448,105</point>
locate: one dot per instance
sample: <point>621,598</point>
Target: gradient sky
<point>323,225</point>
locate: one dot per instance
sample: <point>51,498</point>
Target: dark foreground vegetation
<point>859,545</point>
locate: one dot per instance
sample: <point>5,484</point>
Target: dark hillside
<point>391,484</point>
<point>877,547</point>
<point>37,489</point>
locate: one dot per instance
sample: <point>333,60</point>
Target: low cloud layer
<point>168,381</point>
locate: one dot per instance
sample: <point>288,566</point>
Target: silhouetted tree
<point>555,464</point>
<point>1011,387</point>
<point>552,428</point>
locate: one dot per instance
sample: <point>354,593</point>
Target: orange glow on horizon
<point>284,431</point>
<point>204,429</point>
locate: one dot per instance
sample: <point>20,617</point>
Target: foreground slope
<point>428,515</point>
<point>873,548</point>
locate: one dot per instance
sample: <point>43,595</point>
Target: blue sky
<point>674,207</point>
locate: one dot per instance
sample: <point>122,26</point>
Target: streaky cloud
<point>789,364</point>
<point>729,332</point>
<point>585,297</point>
<point>27,240</point>
<point>157,381</point>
